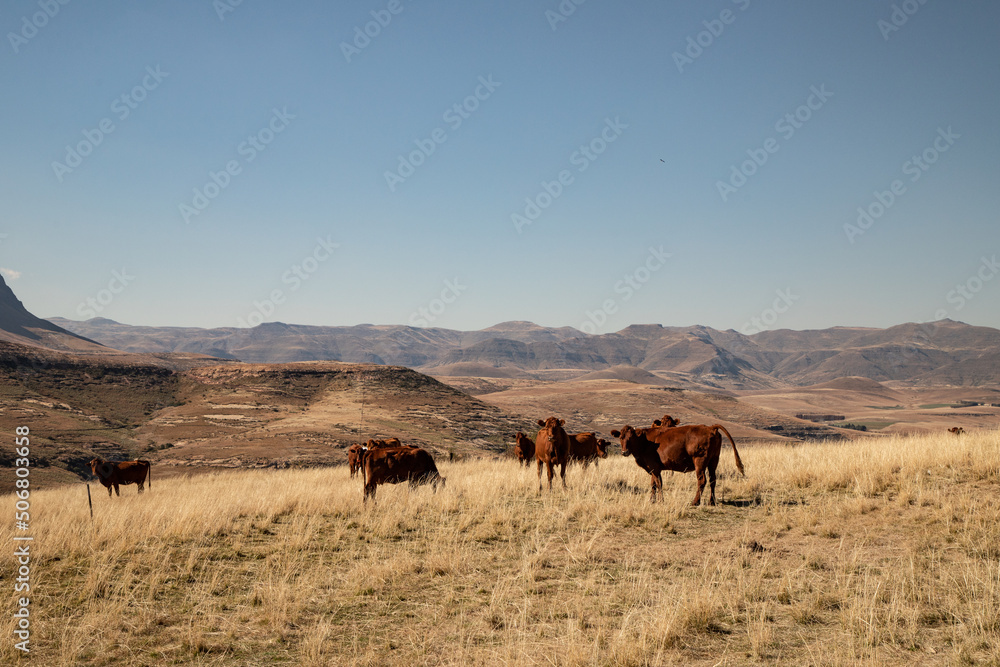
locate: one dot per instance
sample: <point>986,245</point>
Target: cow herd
<point>663,446</point>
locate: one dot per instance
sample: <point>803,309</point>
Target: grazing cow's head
<point>667,421</point>
<point>628,437</point>
<point>602,448</point>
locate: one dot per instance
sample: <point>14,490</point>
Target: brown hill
<point>198,417</point>
<point>17,325</point>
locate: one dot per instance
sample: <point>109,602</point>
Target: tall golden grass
<point>866,552</point>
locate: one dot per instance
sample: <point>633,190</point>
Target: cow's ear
<point>562,422</point>
<point>616,434</point>
<point>657,422</point>
<point>541,423</point>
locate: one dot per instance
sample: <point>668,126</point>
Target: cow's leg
<point>711,485</point>
<point>656,482</point>
<point>550,472</point>
<point>370,491</point>
<point>562,473</point>
<point>140,487</point>
<point>117,493</point>
<point>699,470</point>
<point>539,475</point>
<point>109,490</point>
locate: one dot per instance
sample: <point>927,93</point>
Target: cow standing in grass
<point>392,465</point>
<point>681,448</point>
<point>586,447</point>
<point>524,449</point>
<point>111,473</point>
<point>354,453</point>
<point>551,449</point>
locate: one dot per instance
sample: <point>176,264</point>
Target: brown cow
<point>524,449</point>
<point>681,448</point>
<point>111,473</point>
<point>585,447</point>
<point>957,430</point>
<point>602,448</point>
<point>551,449</point>
<point>392,465</point>
<point>666,422</point>
<point>375,444</point>
<point>354,454</point>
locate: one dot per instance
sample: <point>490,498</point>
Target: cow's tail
<point>739,463</point>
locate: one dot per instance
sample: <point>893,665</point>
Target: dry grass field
<point>881,552</point>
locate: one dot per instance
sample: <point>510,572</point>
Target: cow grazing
<point>551,449</point>
<point>111,473</point>
<point>354,454</point>
<point>392,465</point>
<point>681,448</point>
<point>585,447</point>
<point>957,430</point>
<point>524,449</point>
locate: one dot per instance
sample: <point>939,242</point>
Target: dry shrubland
<point>879,551</point>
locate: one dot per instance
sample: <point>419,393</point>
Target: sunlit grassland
<point>879,551</point>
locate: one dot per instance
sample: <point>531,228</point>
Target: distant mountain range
<point>939,353</point>
<point>944,352</point>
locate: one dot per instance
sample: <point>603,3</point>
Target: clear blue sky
<point>197,87</point>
